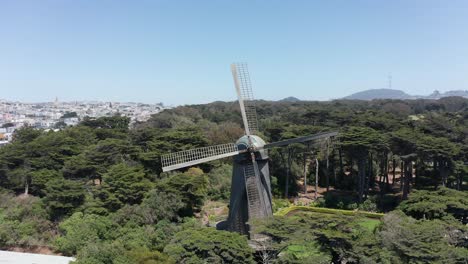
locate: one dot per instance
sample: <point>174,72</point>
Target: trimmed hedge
<point>286,211</point>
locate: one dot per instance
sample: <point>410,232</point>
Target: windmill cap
<point>243,142</point>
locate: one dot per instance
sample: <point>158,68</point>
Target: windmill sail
<point>241,76</point>
<point>301,139</point>
<point>186,158</point>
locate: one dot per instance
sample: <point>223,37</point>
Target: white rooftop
<point>9,257</point>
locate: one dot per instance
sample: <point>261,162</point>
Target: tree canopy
<point>97,191</point>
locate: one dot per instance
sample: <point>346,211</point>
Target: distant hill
<point>437,95</point>
<point>379,94</point>
<point>398,94</point>
<point>290,99</point>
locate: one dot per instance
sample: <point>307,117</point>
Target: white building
<point>9,257</point>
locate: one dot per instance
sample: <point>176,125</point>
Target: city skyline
<point>58,115</point>
<point>179,53</point>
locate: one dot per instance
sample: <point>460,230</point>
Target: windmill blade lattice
<point>186,158</point>
<point>240,73</point>
<point>324,135</point>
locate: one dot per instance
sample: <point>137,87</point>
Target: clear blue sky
<point>179,52</point>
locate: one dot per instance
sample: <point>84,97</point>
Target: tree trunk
<point>333,164</point>
<point>370,179</point>
<point>381,167</point>
<point>382,178</point>
<point>459,181</point>
<point>327,172</point>
<point>288,172</point>
<point>26,187</point>
<point>393,171</point>
<point>340,154</point>
<point>417,171</point>
<point>316,178</point>
<point>444,171</point>
<point>286,188</point>
<point>358,179</point>
<point>408,177</point>
<point>305,173</point>
<point>361,177</point>
<point>435,171</point>
<point>403,178</point>
<point>383,183</point>
<point>402,175</point>
<point>387,182</point>
<point>409,180</point>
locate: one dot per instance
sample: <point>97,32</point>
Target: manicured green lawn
<point>305,250</point>
<point>370,224</point>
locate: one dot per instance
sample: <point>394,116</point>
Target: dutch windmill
<point>250,188</point>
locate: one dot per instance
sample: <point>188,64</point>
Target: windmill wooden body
<point>250,188</point>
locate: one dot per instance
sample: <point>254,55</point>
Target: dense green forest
<point>97,191</point>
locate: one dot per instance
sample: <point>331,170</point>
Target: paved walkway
<point>9,257</point>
